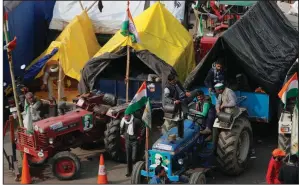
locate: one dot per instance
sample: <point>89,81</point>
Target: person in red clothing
<point>274,166</point>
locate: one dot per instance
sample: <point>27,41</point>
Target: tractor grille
<point>25,139</point>
<point>42,140</point>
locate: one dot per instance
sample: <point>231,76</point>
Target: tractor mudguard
<point>226,120</point>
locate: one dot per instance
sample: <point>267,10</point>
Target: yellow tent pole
<point>12,75</point>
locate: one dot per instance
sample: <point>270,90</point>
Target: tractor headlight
<point>181,161</point>
<point>41,130</point>
<point>36,128</point>
<point>51,141</point>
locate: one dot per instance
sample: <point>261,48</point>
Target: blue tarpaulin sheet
<point>29,22</point>
<point>31,73</point>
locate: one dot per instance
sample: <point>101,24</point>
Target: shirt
<point>273,172</point>
<point>228,99</point>
<point>155,180</point>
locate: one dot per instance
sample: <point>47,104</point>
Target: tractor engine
<point>54,134</point>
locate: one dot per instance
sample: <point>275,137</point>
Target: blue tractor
<point>179,152</point>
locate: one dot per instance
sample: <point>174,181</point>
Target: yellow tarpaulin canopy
<point>163,35</point>
<point>77,43</point>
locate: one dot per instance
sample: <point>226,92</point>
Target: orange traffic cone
<point>102,175</point>
<point>26,178</point>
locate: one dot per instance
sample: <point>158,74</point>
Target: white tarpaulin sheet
<point>110,19</point>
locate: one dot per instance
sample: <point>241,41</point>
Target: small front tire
<point>197,178</point>
<point>66,165</point>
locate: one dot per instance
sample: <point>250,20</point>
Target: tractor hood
<point>191,133</point>
<point>61,122</point>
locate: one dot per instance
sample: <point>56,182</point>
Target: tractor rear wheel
<point>136,177</point>
<point>197,178</point>
<point>234,146</point>
<point>112,140</point>
<point>66,165</point>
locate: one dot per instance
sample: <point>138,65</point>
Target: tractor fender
<point>227,120</point>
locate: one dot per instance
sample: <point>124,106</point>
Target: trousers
<point>50,87</point>
<point>131,151</point>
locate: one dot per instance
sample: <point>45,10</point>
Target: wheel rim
<point>65,167</point>
<point>243,147</point>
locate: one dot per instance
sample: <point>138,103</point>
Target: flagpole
<point>128,64</point>
<point>9,55</point>
<point>146,151</point>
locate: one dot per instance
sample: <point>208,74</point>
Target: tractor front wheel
<point>197,178</point>
<point>233,147</point>
<point>66,165</point>
<point>136,177</point>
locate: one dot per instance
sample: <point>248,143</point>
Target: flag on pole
<point>290,89</point>
<point>128,27</point>
<point>11,45</point>
<point>138,101</point>
<point>147,114</point>
<point>28,118</point>
<point>200,27</point>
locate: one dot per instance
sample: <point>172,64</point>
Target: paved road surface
<point>116,171</point>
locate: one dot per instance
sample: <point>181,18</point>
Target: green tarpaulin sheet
<point>238,3</point>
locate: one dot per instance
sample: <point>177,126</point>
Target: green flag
<point>200,27</point>
<point>147,115</point>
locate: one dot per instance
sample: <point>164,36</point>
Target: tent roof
<point>262,44</point>
<point>76,45</point>
<point>161,34</point>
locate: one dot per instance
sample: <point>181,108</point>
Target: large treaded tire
<point>112,140</point>
<point>197,178</point>
<point>228,144</point>
<point>136,177</point>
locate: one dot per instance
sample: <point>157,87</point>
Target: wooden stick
<point>13,81</point>
<point>59,82</point>
<point>81,5</point>
<point>127,73</point>
<point>91,6</point>
<point>146,151</point>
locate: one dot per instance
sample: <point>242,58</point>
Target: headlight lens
<point>51,141</point>
<point>36,128</point>
<point>181,161</point>
<point>41,130</point>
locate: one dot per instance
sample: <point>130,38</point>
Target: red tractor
<point>55,136</point>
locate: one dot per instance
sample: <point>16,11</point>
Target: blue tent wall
<point>29,22</point>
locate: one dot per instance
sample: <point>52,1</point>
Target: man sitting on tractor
<point>227,99</point>
<point>215,75</point>
<point>206,109</point>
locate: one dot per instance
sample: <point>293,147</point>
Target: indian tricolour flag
<point>290,89</point>
<point>128,27</point>
<point>138,101</point>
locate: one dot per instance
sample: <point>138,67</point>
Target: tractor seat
<point>101,110</point>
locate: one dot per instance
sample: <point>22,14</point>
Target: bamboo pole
<point>12,76</point>
<point>59,82</point>
<point>91,6</point>
<point>81,5</point>
<point>146,151</point>
<point>127,74</point>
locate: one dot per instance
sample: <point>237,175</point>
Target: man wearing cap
<point>215,75</point>
<point>51,75</point>
<point>227,99</point>
<point>129,130</point>
<point>274,166</point>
